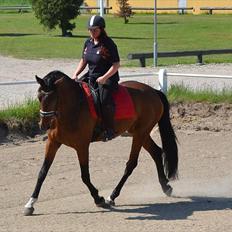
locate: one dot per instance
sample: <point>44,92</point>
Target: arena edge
<point>20,119</point>
<point>23,119</point>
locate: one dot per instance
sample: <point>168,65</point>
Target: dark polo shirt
<point>97,63</point>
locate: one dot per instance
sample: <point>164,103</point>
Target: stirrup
<point>108,134</point>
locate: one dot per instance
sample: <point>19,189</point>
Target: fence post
<point>101,4</point>
<point>163,82</point>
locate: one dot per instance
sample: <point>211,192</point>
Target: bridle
<point>46,114</point>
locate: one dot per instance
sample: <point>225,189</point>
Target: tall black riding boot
<point>108,122</point>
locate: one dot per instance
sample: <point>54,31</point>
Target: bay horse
<point>66,116</point>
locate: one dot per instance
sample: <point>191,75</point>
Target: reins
<point>46,114</point>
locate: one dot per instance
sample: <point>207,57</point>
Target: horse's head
<point>48,98</point>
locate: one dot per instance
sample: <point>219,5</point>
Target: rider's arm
<point>80,67</point>
<point>112,70</point>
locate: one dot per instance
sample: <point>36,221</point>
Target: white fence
<point>10,94</point>
<point>163,78</point>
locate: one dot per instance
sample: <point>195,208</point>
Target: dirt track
<point>202,198</point>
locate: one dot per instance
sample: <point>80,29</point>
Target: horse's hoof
<point>102,204</point>
<point>109,201</point>
<point>168,191</point>
<point>28,211</point>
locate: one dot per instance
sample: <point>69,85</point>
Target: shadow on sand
<point>175,210</point>
<point>167,211</point>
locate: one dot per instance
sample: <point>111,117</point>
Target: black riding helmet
<point>96,21</point>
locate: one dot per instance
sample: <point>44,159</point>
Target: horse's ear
<point>40,81</point>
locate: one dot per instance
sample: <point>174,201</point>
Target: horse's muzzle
<point>44,126</point>
<point>46,118</point>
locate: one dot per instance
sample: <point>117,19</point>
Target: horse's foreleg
<point>156,153</point>
<point>130,166</point>
<point>51,149</point>
<point>85,176</point>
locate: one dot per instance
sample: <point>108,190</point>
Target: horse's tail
<point>169,140</point>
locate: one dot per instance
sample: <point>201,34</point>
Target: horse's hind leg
<point>51,149</point>
<point>156,153</point>
<point>130,166</point>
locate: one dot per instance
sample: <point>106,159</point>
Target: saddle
<point>124,106</point>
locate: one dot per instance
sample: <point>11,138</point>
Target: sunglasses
<point>94,29</point>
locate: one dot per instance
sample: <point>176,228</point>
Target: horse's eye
<point>39,96</point>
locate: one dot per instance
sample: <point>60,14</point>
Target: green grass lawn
<point>180,93</point>
<point>27,110</point>
<point>14,2</point>
<point>22,36</point>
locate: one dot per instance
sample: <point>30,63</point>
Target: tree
<point>124,10</point>
<point>57,12</point>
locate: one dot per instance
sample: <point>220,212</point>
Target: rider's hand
<point>75,77</point>
<point>101,80</point>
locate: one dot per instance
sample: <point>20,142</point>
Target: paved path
<point>12,69</point>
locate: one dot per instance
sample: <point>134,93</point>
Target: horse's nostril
<point>43,126</point>
<point>40,125</point>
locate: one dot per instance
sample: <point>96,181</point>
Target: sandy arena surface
<point>202,197</point>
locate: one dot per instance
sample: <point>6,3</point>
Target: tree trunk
<point>63,28</point>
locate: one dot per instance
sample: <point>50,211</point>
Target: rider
<point>101,54</point>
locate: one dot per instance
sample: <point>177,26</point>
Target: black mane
<point>52,77</point>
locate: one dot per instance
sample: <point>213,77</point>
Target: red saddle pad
<point>124,106</point>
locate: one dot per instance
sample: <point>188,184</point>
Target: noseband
<point>45,114</point>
